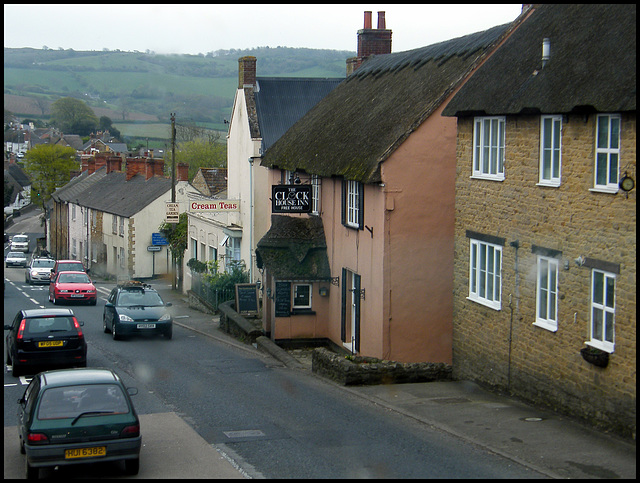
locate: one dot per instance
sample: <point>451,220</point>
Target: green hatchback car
<point>74,416</point>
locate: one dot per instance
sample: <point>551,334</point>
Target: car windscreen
<point>71,401</point>
<point>43,263</point>
<point>70,267</point>
<point>16,255</point>
<point>45,326</point>
<point>147,298</point>
<point>73,278</point>
<point>20,239</point>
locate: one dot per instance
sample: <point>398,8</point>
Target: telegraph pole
<point>173,191</point>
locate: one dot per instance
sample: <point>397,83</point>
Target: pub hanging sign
<point>291,198</point>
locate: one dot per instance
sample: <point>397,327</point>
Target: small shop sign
<point>291,199</point>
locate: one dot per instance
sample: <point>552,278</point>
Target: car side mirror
<point>168,304</point>
<point>108,304</point>
<point>7,327</point>
<point>132,391</point>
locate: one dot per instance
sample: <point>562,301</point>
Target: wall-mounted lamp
<point>324,291</point>
<point>580,260</point>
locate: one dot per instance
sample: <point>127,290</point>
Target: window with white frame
<point>547,293</point>
<point>485,271</point>
<point>301,296</point>
<point>194,248</point>
<point>74,252</point>
<point>488,152</point>
<point>352,209</point>
<point>114,224</point>
<point>315,194</point>
<point>121,226</point>
<point>73,212</point>
<point>232,253</point>
<point>603,307</point>
<point>550,150</point>
<point>607,152</point>
<point>121,257</point>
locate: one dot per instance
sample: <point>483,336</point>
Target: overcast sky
<point>194,29</point>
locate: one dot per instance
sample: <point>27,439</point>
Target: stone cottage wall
<point>502,348</point>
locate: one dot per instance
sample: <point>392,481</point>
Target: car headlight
<point>164,317</point>
<point>34,273</point>
<point>125,318</point>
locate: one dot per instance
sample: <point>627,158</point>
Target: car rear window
<point>19,238</point>
<point>70,401</point>
<point>44,325</point>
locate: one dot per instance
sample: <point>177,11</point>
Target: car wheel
<point>131,467</point>
<point>15,370</point>
<point>104,325</point>
<point>22,450</point>
<point>113,332</point>
<point>31,472</point>
<point>93,302</point>
<point>169,333</point>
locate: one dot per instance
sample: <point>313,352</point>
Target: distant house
<point>20,184</point>
<point>545,226</point>
<point>371,267</point>
<point>264,108</point>
<point>210,181</point>
<point>106,217</point>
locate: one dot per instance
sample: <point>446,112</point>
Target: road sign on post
<point>173,213</point>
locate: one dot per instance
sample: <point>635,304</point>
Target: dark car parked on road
<point>136,308</point>
<point>45,338</point>
<point>78,416</point>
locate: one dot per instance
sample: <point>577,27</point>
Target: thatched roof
<point>363,120</point>
<point>294,249</point>
<point>592,65</point>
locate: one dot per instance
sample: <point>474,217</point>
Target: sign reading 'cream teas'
<point>214,206</point>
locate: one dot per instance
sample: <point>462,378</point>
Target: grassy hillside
<point>134,86</point>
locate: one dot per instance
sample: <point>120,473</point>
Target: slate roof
<point>363,120</point>
<point>294,249</point>
<point>592,65</point>
<point>111,193</point>
<point>281,101</point>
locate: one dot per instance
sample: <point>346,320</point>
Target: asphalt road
<point>203,402</point>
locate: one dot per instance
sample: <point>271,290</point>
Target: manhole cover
<point>247,433</point>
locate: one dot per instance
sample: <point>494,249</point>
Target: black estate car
<point>45,338</point>
<point>136,308</point>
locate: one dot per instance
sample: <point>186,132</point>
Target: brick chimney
<point>134,166</point>
<point>246,71</point>
<point>371,41</point>
<point>114,163</point>
<point>154,167</point>
<point>182,172</point>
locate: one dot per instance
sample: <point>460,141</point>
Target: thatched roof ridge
<point>592,65</point>
<point>363,120</point>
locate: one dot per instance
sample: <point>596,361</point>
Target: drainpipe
<point>251,219</point>
<point>515,244</point>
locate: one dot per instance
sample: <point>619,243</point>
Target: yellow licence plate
<point>51,343</point>
<point>85,452</point>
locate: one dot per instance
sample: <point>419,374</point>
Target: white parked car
<point>19,243</point>
<point>39,270</point>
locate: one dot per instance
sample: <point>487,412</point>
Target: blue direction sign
<point>158,239</point>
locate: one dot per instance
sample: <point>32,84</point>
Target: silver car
<point>15,259</point>
<point>39,270</point>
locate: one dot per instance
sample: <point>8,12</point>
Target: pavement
<point>553,445</point>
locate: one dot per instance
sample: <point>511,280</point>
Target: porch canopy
<point>294,248</point>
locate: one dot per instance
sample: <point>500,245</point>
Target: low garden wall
<point>358,370</point>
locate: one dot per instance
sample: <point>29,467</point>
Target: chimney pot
<point>381,21</point>
<point>367,20</point>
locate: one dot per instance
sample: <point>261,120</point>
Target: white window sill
<point>609,191</point>
<point>486,303</point>
<point>543,324</point>
<point>607,347</point>
<point>487,177</point>
<point>549,184</point>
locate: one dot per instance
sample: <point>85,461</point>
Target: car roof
<point>68,261</point>
<point>50,312</point>
<point>17,253</point>
<point>79,272</point>
<point>77,376</point>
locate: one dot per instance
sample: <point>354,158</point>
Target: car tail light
<point>77,326</point>
<point>37,438</point>
<point>130,431</point>
<point>23,322</point>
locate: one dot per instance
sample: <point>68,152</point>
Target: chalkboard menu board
<point>283,299</point>
<point>247,298</point>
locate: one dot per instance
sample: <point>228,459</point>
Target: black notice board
<point>247,298</point>
<point>283,299</point>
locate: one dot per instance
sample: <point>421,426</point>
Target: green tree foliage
<point>176,235</point>
<point>49,167</point>
<point>73,116</point>
<point>7,193</point>
<point>106,124</point>
<point>201,153</point>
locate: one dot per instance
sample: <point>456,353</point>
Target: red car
<point>72,287</point>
